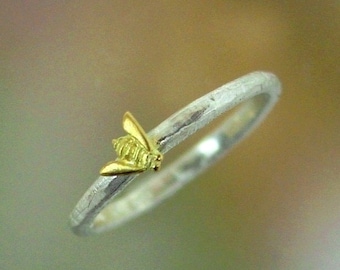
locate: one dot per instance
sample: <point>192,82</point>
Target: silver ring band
<point>101,209</point>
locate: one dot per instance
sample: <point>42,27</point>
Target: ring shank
<point>101,209</point>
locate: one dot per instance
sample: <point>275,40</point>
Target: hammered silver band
<point>109,202</point>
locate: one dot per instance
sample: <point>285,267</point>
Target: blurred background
<point>70,69</point>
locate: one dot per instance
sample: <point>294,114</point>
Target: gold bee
<point>136,152</point>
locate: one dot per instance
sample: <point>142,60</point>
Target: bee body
<point>136,152</point>
<point>131,150</point>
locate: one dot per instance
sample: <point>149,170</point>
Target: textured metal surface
<point>99,210</point>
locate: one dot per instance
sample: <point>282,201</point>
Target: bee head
<point>157,161</point>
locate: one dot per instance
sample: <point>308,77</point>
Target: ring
<point>110,201</point>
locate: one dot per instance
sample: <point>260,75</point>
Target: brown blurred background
<point>70,69</point>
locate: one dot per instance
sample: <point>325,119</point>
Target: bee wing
<point>132,127</point>
<point>119,167</point>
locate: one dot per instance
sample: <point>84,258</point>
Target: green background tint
<point>70,69</point>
